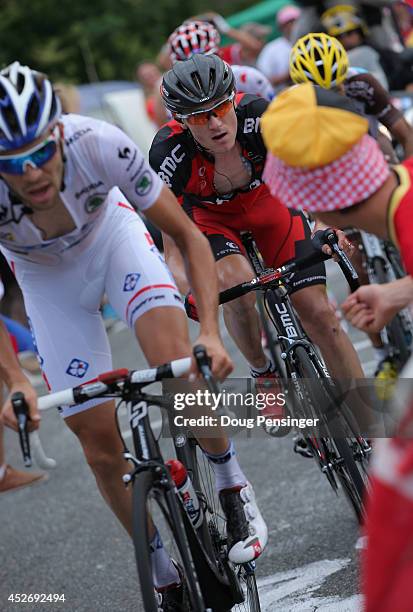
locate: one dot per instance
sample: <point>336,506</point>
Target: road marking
<point>293,590</point>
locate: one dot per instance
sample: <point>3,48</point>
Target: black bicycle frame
<point>291,334</point>
<point>148,456</point>
<point>289,329</point>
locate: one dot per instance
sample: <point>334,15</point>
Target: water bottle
<point>186,490</point>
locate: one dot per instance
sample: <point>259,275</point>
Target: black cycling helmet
<point>200,79</point>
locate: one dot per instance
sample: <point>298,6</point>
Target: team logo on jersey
<point>12,213</point>
<point>131,280</point>
<point>74,137</point>
<point>77,368</point>
<point>7,236</point>
<point>88,189</point>
<point>144,183</point>
<point>124,154</point>
<point>251,125</point>
<point>93,202</point>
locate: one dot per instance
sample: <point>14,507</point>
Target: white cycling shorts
<point>62,300</point>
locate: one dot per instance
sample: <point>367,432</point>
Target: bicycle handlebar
<point>83,393</point>
<point>345,264</point>
<point>102,385</point>
<point>21,412</point>
<point>276,276</point>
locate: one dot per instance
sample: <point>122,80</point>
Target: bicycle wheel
<point>151,499</point>
<point>395,329</point>
<point>240,579</point>
<point>339,445</point>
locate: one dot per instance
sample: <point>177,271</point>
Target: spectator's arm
<point>12,374</point>
<point>403,133</point>
<point>250,42</point>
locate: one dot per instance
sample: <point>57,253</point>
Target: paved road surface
<point>58,537</point>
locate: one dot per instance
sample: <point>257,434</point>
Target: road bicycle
<point>212,582</point>
<point>338,447</point>
<point>382,263</point>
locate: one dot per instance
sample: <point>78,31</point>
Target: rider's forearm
<point>176,264</point>
<point>201,272</point>
<point>196,253</point>
<point>400,293</point>
<point>408,147</point>
<point>10,370</point>
<point>249,42</point>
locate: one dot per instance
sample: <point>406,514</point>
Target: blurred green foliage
<point>80,40</point>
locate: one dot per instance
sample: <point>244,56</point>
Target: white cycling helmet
<point>251,81</point>
<point>28,106</point>
<point>193,37</point>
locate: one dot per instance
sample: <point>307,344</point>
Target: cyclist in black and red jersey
<point>212,156</point>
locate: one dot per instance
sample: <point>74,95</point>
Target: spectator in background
<point>346,25</point>
<point>274,59</point>
<point>162,59</point>
<point>249,39</point>
<point>382,32</point>
<point>69,97</point>
<point>149,76</point>
<point>403,14</point>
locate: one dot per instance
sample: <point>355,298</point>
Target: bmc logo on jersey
<point>169,165</point>
<point>131,280</point>
<point>251,125</point>
<point>77,368</point>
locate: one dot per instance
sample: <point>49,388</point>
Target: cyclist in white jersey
<point>70,235</point>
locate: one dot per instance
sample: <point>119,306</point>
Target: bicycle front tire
<point>395,330</point>
<point>149,498</point>
<point>345,467</point>
<point>241,578</point>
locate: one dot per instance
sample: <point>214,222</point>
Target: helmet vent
<point>20,83</point>
<point>3,93</point>
<point>33,111</point>
<point>197,81</point>
<point>11,119</point>
<point>212,79</point>
<point>184,89</point>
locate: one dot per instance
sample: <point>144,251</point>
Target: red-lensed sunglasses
<point>202,117</point>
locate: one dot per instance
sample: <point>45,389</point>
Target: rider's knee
<point>320,318</point>
<point>102,460</point>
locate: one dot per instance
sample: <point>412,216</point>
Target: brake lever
<point>203,362</point>
<point>344,262</point>
<point>21,411</point>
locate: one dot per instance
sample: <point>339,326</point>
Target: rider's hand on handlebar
<point>320,231</point>
<point>221,364</point>
<point>7,413</point>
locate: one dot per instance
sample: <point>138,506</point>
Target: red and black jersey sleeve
<point>365,88</point>
<point>171,156</point>
<point>249,111</point>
